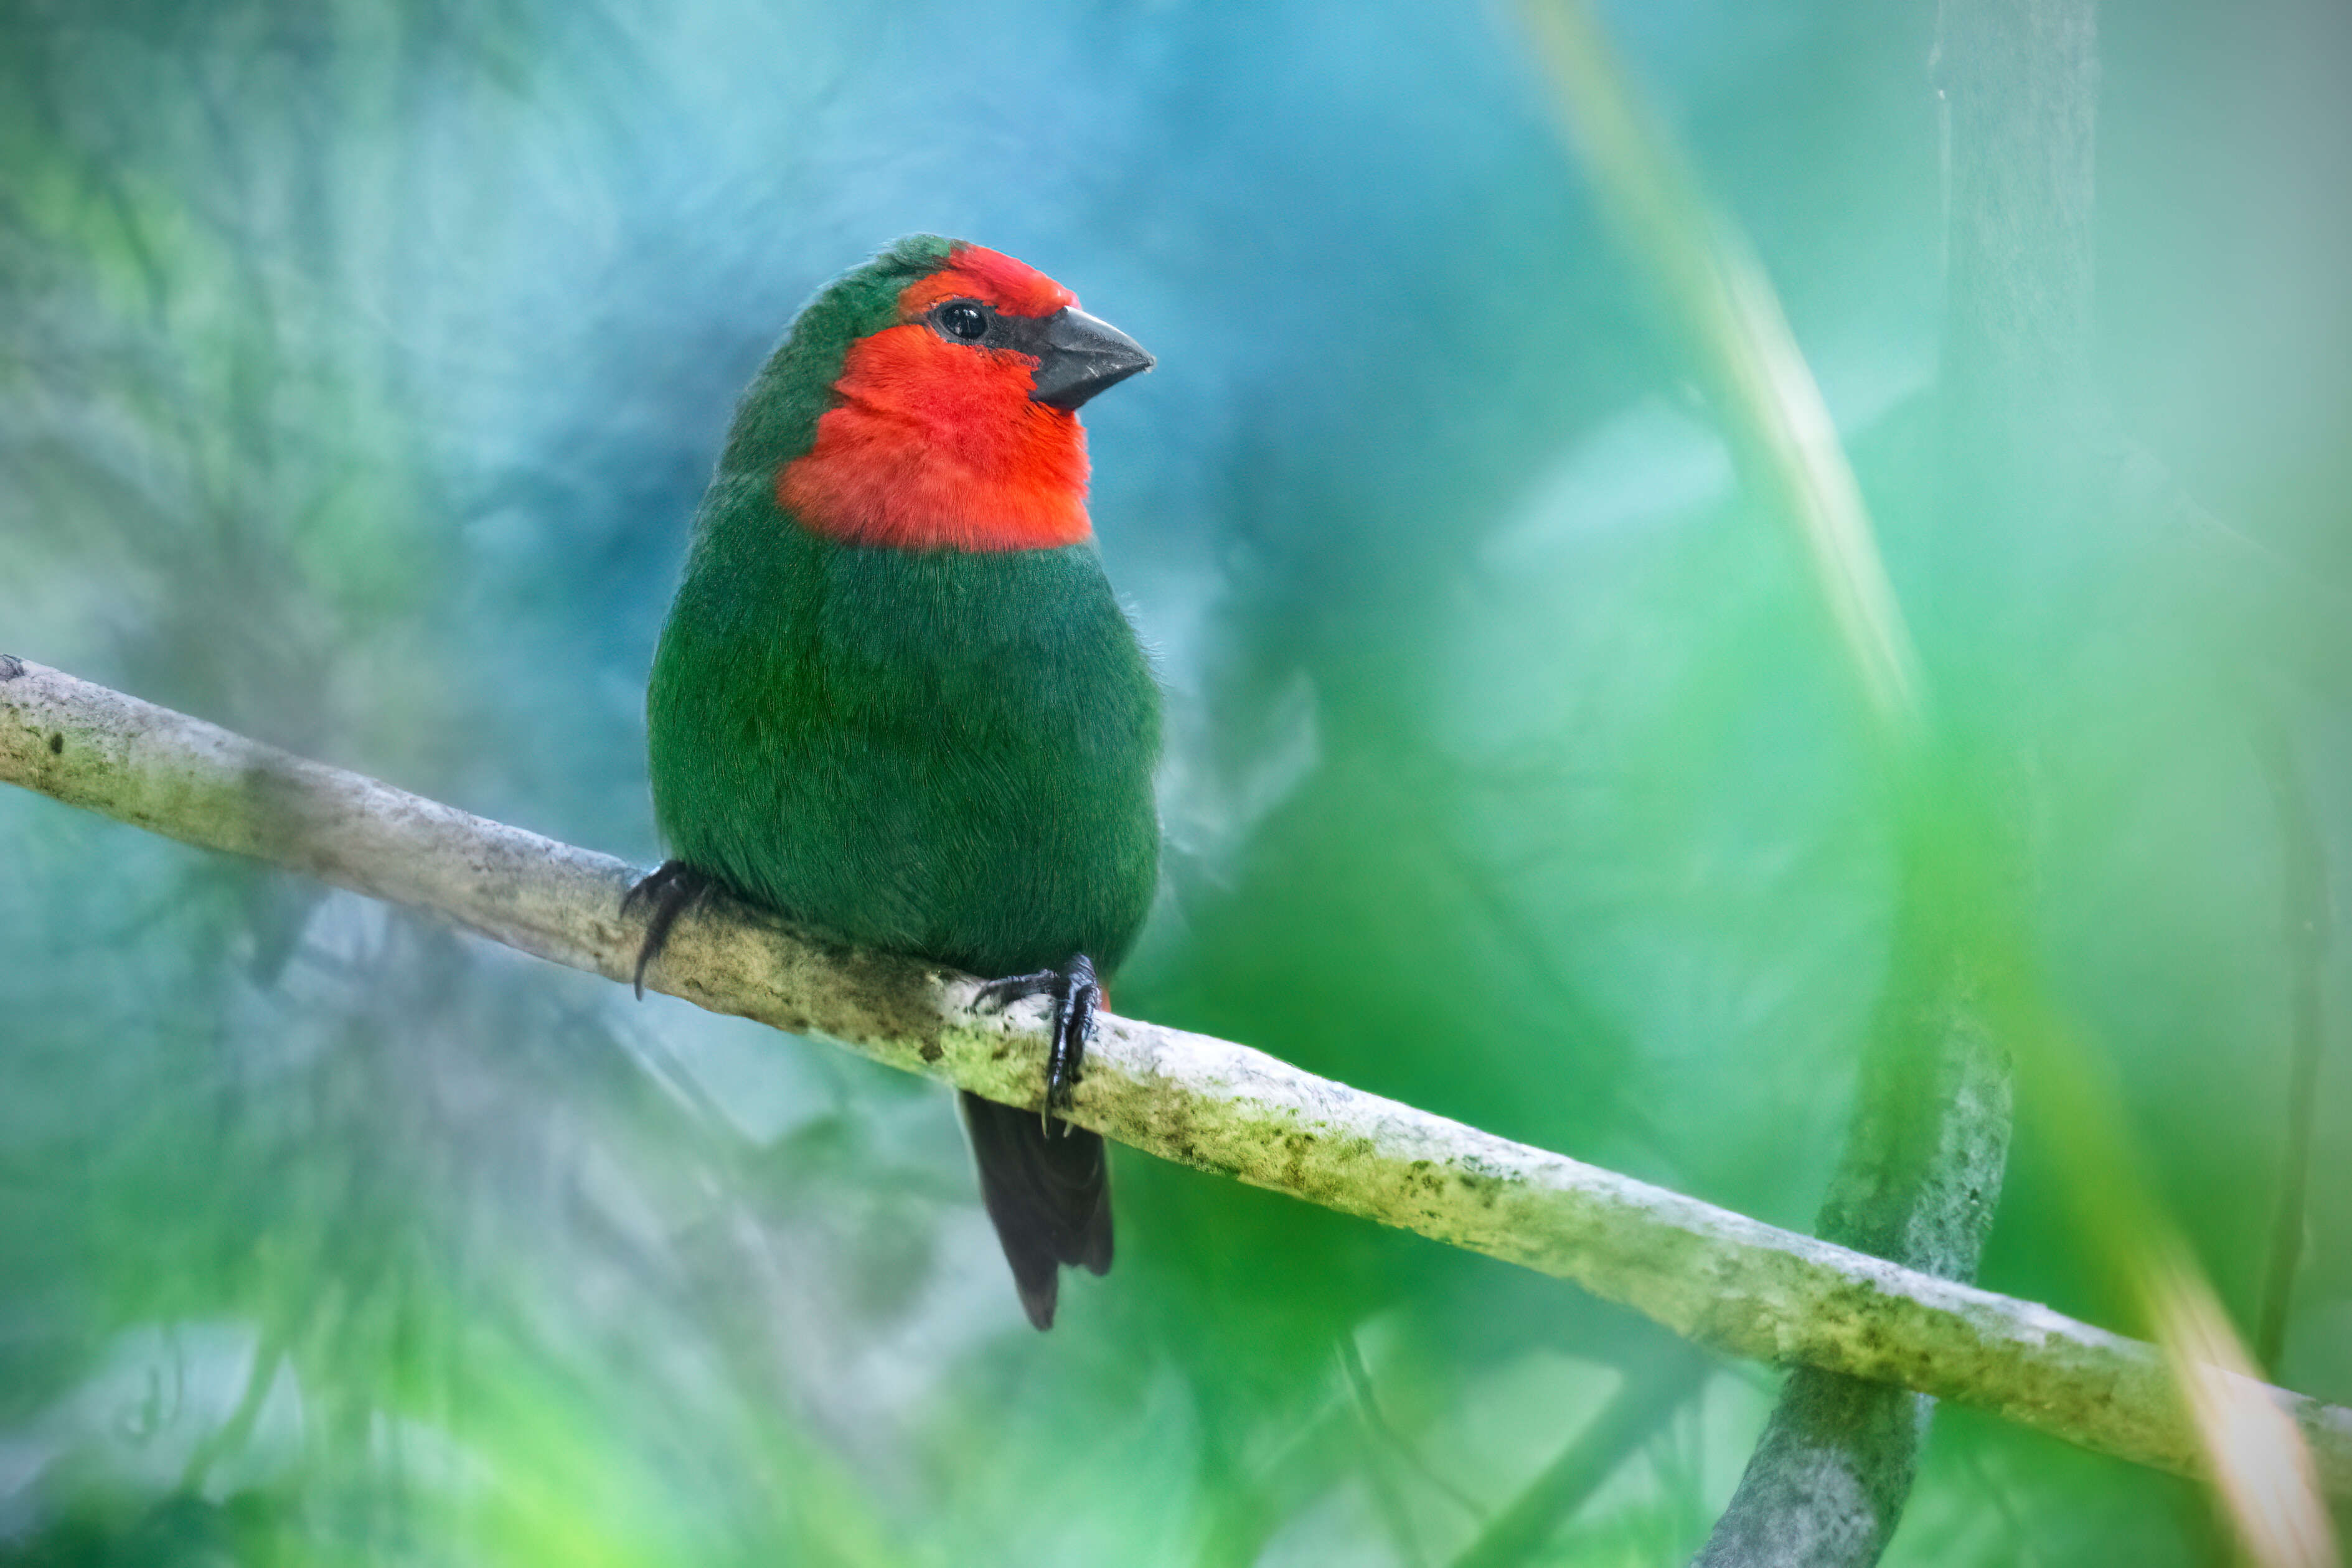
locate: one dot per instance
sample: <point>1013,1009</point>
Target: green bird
<point>896,698</point>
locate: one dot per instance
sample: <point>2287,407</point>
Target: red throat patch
<point>936,444</point>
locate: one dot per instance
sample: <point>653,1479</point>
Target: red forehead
<point>975,272</point>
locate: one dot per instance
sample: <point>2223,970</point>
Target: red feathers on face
<point>975,272</point>
<point>936,444</point>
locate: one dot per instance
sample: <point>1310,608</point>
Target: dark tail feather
<point>1049,1196</point>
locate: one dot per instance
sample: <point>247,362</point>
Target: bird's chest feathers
<point>934,446</point>
<point>949,649</point>
<point>950,754</point>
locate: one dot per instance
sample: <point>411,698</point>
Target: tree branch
<point>1720,1280</point>
<point>1917,1184</point>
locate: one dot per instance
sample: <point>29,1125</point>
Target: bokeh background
<point>363,361</point>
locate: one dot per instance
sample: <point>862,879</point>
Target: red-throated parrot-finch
<point>895,699</point>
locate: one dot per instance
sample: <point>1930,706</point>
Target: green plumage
<point>939,752</point>
<point>943,753</point>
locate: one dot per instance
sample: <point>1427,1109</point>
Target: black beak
<point>1079,356</point>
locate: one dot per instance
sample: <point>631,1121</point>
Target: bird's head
<point>928,400</point>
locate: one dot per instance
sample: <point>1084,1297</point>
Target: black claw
<point>998,995</point>
<point>1077,996</point>
<point>672,890</point>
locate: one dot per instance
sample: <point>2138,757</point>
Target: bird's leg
<point>672,890</point>
<point>1077,997</point>
<point>1074,1029</point>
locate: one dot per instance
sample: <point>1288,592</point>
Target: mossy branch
<point>1718,1279</point>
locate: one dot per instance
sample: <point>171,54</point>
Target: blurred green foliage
<point>366,359</point>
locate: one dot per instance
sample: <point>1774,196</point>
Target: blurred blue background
<point>366,359</point>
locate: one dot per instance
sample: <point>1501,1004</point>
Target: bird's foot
<point>670,891</point>
<point>1077,996</point>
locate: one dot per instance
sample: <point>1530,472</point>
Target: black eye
<point>963,319</point>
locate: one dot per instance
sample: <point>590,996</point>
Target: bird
<point>896,698</point>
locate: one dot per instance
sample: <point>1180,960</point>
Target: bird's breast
<point>945,752</point>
